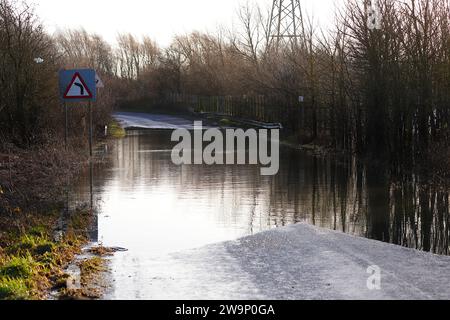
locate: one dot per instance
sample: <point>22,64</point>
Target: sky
<point>160,19</point>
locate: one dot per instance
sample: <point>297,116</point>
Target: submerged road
<point>153,121</point>
<point>293,263</point>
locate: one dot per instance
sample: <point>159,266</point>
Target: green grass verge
<point>33,264</point>
<point>116,131</point>
<point>13,289</point>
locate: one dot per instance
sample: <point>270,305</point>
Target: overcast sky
<point>160,19</point>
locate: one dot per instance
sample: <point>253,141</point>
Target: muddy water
<point>152,207</point>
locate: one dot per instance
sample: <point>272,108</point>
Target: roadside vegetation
<point>115,130</point>
<point>35,167</point>
<point>32,263</point>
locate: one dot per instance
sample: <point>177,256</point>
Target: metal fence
<point>287,111</point>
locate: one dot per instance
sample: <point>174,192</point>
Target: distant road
<point>153,121</point>
<point>295,262</point>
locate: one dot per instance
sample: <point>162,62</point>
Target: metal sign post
<point>77,86</point>
<point>66,128</point>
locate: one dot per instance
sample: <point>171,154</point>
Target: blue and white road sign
<point>77,85</point>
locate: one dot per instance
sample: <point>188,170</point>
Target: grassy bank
<point>115,130</point>
<point>33,190</point>
<point>35,263</point>
<point>32,262</point>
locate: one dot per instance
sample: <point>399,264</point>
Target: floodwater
<point>153,208</point>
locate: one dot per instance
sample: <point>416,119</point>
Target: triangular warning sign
<point>77,89</point>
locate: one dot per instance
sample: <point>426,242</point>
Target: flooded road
<point>156,209</point>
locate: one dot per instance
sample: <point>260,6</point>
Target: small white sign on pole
<point>301,99</point>
<point>98,82</point>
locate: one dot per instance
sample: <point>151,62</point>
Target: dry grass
<point>33,180</point>
<point>92,281</point>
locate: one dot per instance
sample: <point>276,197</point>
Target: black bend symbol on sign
<point>81,88</point>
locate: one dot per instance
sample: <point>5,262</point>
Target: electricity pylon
<point>286,22</point>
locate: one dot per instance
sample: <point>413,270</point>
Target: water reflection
<point>152,207</point>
